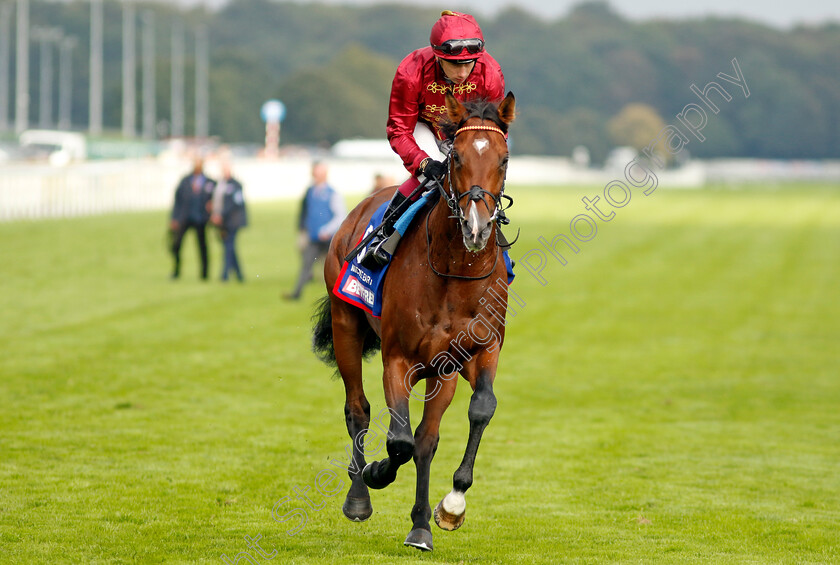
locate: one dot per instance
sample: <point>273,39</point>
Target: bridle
<point>475,193</point>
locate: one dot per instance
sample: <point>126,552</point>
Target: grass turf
<point>669,396</point>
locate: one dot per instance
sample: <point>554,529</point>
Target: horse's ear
<point>507,109</point>
<point>454,109</point>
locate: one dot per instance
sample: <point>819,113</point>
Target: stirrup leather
<point>381,248</point>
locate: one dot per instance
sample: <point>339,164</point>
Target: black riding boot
<point>375,256</point>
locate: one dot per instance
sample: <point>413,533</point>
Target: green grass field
<point>670,396</point>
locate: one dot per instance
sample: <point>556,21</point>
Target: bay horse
<point>436,319</point>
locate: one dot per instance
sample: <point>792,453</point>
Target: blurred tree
<point>540,130</point>
<point>330,103</point>
<point>569,75</point>
<point>637,125</point>
<point>585,126</point>
<point>594,12</point>
<point>235,102</point>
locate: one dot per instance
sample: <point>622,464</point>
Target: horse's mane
<point>479,108</point>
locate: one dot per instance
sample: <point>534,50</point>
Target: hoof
<point>357,509</point>
<point>448,520</point>
<point>419,538</point>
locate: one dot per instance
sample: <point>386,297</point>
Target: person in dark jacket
<point>229,215</point>
<point>321,213</point>
<point>191,210</point>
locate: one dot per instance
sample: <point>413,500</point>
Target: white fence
<point>96,187</point>
<point>28,191</point>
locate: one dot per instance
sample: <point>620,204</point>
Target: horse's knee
<point>357,413</point>
<point>426,446</point>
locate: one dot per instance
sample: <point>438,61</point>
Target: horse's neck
<point>448,253</point>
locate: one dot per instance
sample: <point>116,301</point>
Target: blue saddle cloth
<point>362,287</point>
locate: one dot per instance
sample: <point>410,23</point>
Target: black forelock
<point>479,108</point>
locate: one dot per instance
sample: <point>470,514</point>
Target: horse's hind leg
<point>439,393</point>
<point>348,337</point>
<point>450,512</point>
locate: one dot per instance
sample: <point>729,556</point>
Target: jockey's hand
<point>432,169</point>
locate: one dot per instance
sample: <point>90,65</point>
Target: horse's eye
<point>504,162</point>
<point>456,159</point>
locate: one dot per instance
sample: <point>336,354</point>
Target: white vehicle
<point>62,147</point>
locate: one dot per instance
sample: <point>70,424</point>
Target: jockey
<point>455,61</point>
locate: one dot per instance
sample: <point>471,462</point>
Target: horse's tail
<point>322,335</point>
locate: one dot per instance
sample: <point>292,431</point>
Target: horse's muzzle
<point>476,228</point>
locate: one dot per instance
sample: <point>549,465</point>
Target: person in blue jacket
<point>321,213</point>
<point>191,210</point>
<point>229,216</point>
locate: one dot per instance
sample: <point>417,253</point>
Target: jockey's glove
<point>432,169</point>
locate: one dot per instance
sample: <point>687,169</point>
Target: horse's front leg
<point>450,512</point>
<point>400,442</point>
<point>439,395</point>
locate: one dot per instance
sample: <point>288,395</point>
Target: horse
<point>444,304</point>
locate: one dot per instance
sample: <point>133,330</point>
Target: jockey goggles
<point>457,46</point>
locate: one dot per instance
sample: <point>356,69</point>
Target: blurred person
<point>229,215</point>
<point>381,181</point>
<point>456,61</point>
<point>191,210</point>
<point>321,213</point>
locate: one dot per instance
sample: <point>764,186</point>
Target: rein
<point>444,275</point>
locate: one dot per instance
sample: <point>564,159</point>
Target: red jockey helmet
<point>456,37</point>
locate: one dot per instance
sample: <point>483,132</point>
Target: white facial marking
<point>474,219</point>
<point>481,145</point>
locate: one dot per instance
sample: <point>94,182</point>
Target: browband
<point>481,128</point>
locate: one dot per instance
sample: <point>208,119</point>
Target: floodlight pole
<point>5,34</point>
<point>149,109</point>
<point>129,70</point>
<point>46,37</point>
<point>22,68</point>
<point>65,83</point>
<point>96,38</point>
<point>177,70</point>
<point>202,95</point>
